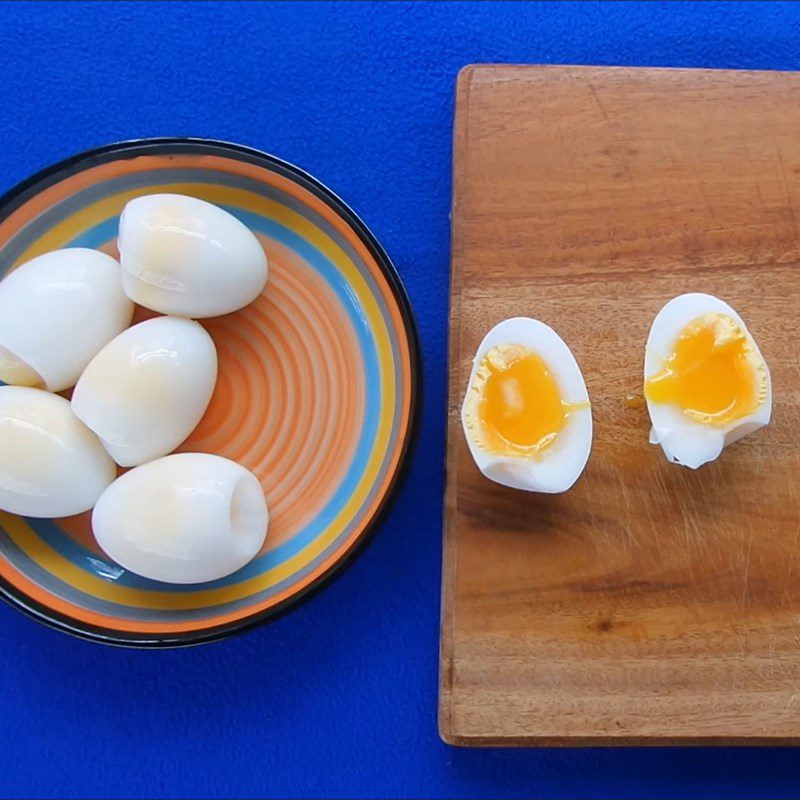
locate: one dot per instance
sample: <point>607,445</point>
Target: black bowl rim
<point>19,194</point>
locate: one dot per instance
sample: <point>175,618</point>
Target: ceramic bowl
<point>317,390</point>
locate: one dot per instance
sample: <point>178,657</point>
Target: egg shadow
<point>491,506</point>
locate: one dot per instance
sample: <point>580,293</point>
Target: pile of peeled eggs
<point>527,416</point>
<point>138,391</point>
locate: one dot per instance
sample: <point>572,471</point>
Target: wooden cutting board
<point>651,604</point>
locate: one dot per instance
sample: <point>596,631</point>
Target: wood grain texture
<point>651,604</point>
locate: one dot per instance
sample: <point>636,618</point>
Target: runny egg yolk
<point>714,374</point>
<point>520,410</point>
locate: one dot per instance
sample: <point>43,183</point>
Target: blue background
<point>339,697</point>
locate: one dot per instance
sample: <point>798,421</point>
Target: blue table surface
<point>339,697</point>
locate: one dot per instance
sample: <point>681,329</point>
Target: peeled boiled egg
<point>51,464</point>
<point>186,518</point>
<point>187,257</point>
<point>56,311</point>
<point>705,380</point>
<point>526,414</point>
<point>147,389</point>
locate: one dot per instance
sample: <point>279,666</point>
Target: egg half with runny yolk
<point>705,381</point>
<point>526,414</point>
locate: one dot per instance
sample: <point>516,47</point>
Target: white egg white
<point>56,312</point>
<point>186,518</point>
<point>684,440</point>
<point>51,464</point>
<point>147,389</point>
<point>558,467</point>
<point>186,257</point>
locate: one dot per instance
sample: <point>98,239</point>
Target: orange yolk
<point>713,374</point>
<point>520,408</point>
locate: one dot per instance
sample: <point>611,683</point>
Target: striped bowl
<point>317,390</point>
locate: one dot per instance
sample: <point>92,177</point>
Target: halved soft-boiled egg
<point>183,256</point>
<point>186,518</point>
<point>526,414</point>
<point>705,380</point>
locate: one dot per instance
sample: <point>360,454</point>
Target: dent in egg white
<point>186,518</point>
